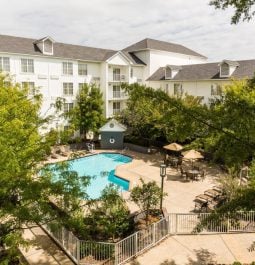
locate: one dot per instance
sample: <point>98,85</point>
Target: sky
<point>115,24</point>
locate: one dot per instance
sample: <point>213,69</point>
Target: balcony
<point>117,78</point>
<point>120,95</point>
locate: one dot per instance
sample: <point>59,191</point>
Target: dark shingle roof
<point>27,46</point>
<point>161,46</point>
<point>246,69</point>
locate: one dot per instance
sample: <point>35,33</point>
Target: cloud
<point>116,24</point>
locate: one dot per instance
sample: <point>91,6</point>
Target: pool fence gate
<point>94,253</point>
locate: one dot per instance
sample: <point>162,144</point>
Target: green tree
<point>87,114</point>
<point>24,188</point>
<point>233,115</point>
<point>109,216</point>
<point>153,114</point>
<point>242,8</point>
<point>147,196</point>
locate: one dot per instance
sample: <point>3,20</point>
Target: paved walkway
<point>43,251</point>
<point>201,250</point>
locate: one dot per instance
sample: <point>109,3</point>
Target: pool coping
<point>117,174</point>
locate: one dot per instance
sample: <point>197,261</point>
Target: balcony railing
<point>117,78</point>
<point>115,111</point>
<point>117,95</point>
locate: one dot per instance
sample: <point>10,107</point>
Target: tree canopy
<point>244,9</point>
<point>25,188</point>
<point>87,114</point>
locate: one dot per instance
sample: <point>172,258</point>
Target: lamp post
<point>162,174</point>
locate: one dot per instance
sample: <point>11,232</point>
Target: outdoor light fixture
<point>162,174</point>
<point>162,170</point>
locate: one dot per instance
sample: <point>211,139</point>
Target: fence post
<point>176,223</point>
<point>78,250</point>
<point>168,225</point>
<point>136,243</point>
<point>228,227</point>
<point>116,262</point>
<point>153,234</point>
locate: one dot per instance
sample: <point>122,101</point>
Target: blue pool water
<point>101,168</point>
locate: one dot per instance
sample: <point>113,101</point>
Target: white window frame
<point>68,89</point>
<point>30,86</point>
<point>178,90</point>
<point>216,90</point>
<point>67,107</point>
<point>67,68</point>
<point>116,110</point>
<point>82,69</point>
<point>27,65</point>
<point>4,64</point>
<point>116,91</point>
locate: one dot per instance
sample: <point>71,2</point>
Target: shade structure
<point>173,147</point>
<point>192,155</point>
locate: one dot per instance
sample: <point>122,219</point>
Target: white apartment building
<point>58,70</point>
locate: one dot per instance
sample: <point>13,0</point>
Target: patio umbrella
<point>173,147</point>
<point>192,155</point>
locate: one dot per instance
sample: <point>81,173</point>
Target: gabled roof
<point>43,39</point>
<point>230,63</point>
<point>207,71</point>
<point>174,67</point>
<point>26,46</point>
<point>113,126</point>
<point>152,44</point>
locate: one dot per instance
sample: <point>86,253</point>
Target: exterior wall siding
<point>118,140</point>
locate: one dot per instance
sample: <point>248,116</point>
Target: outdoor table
<point>194,173</point>
<point>173,161</point>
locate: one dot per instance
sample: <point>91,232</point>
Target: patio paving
<point>201,250</point>
<point>180,193</point>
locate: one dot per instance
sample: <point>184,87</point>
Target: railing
<point>118,78</point>
<point>119,94</point>
<point>227,223</point>
<point>101,253</point>
<point>140,241</point>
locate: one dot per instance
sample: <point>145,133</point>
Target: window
<point>168,73</point>
<point>224,69</point>
<point>68,107</point>
<point>216,90</point>
<point>30,86</point>
<point>116,107</point>
<point>67,89</point>
<point>5,64</point>
<point>167,88</point>
<point>67,68</point>
<point>27,65</point>
<point>178,89</point>
<point>116,74</point>
<point>82,69</point>
<point>81,85</point>
<point>131,72</point>
<point>116,91</point>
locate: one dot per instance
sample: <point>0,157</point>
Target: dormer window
<point>171,71</point>
<point>45,45</point>
<point>224,69</point>
<point>227,68</point>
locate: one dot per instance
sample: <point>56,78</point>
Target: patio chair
<point>201,175</point>
<point>62,151</point>
<point>183,173</point>
<point>179,162</point>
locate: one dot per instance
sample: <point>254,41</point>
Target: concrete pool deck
<point>184,249</point>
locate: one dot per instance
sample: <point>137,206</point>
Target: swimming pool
<point>101,168</point>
